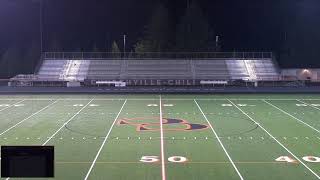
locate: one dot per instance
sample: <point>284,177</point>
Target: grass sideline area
<point>166,137</point>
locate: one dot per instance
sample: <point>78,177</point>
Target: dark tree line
<point>19,59</point>
<point>300,36</point>
<point>191,34</point>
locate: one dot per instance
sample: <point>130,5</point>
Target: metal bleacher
<point>210,66</point>
<point>266,69</point>
<point>76,70</point>
<point>102,69</point>
<point>51,70</point>
<point>237,69</point>
<point>158,69</point>
<point>211,69</point>
<point>63,70</point>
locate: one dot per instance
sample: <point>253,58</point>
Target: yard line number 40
<point>312,159</point>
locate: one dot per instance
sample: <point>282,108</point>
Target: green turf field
<point>170,137</point>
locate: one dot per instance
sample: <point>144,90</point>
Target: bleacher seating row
<point>121,69</point>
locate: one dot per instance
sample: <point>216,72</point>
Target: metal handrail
<point>158,55</point>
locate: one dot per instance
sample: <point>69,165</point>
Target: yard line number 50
<point>154,159</point>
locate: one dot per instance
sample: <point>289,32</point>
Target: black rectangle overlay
<point>27,161</point>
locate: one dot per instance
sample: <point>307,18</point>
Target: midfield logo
<point>153,124</point>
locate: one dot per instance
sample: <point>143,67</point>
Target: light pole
<point>41,28</point>
<point>124,45</point>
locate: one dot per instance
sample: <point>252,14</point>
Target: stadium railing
<point>158,55</point>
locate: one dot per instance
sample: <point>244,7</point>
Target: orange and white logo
<point>146,124</point>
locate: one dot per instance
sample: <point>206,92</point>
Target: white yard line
<point>224,149</point>
<point>308,104</point>
<point>292,116</point>
<point>275,139</point>
<point>12,105</point>
<point>163,168</point>
<point>104,141</point>
<point>28,117</point>
<point>66,123</point>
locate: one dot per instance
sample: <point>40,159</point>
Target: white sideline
<point>66,123</point>
<point>224,149</point>
<point>143,99</point>
<point>27,118</point>
<point>292,116</point>
<point>308,104</point>
<point>12,105</point>
<point>275,139</point>
<point>104,141</point>
<point>163,168</point>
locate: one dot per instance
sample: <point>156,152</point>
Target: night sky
<point>287,27</point>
